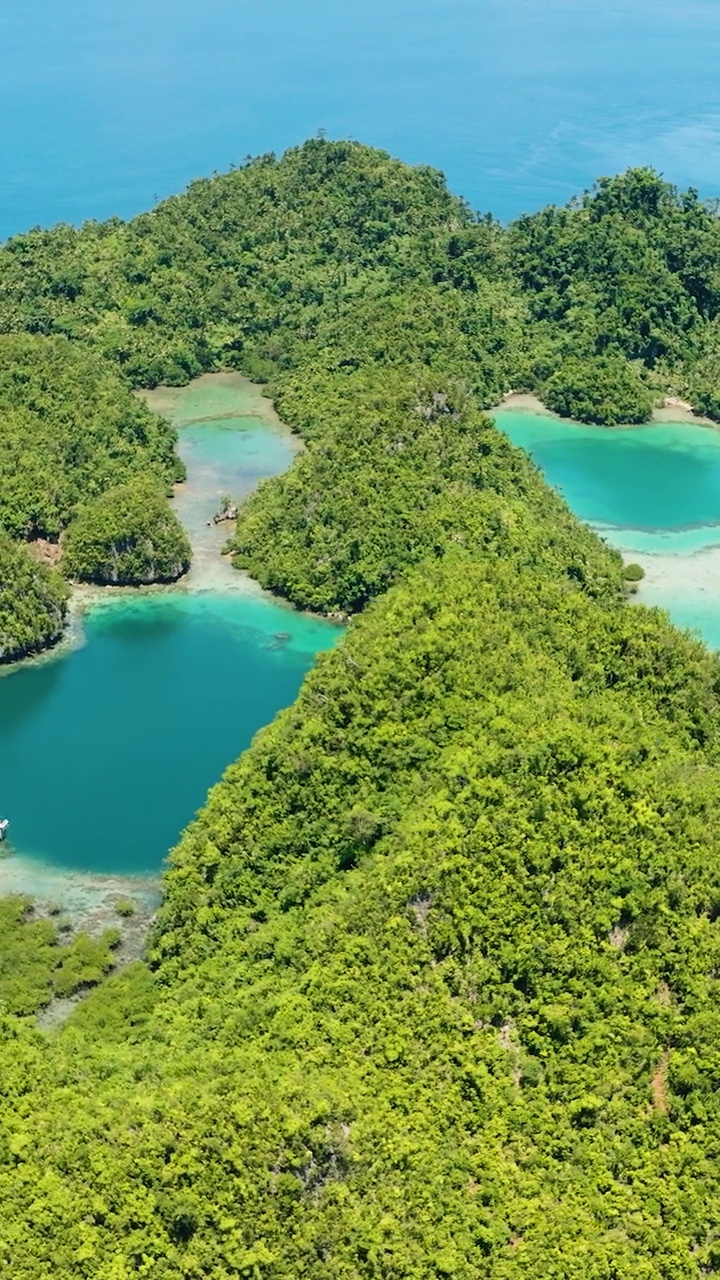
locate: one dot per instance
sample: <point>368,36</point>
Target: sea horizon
<point>520,103</point>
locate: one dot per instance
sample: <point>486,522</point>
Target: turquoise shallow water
<point>653,492</point>
<point>106,106</point>
<point>656,488</point>
<point>230,440</point>
<point>232,455</point>
<point>228,457</point>
<point>691,610</point>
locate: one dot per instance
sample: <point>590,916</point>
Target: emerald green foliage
<point>630,270</point>
<point>433,990</point>
<point>125,907</point>
<point>434,972</point>
<point>127,536</point>
<point>33,603</point>
<point>602,389</point>
<point>633,572</point>
<point>37,964</point>
<point>28,955</point>
<point>339,248</point>
<point>249,270</point>
<point>632,266</point>
<point>250,260</point>
<point>71,429</point>
<point>85,962</point>
<point>396,473</point>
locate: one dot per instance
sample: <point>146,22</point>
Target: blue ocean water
<point>106,106</point>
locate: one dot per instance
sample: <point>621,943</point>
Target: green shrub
<point>84,962</point>
<point>127,536</point>
<point>71,429</point>
<point>33,603</point>
<point>604,390</point>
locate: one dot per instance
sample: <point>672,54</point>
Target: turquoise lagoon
<point>656,486</point>
<point>652,491</point>
<point>108,749</point>
<point>107,752</point>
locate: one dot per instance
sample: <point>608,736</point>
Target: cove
<point>651,491</point>
<point>108,750</point>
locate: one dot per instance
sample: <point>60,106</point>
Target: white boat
<point>4,824</point>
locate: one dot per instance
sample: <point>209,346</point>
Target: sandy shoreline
<point>210,569</point>
<point>669,578</point>
<point>685,579</point>
<point>75,891</point>
<point>673,411</point>
<point>677,576</point>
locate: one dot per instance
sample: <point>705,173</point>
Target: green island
<point>433,988</point>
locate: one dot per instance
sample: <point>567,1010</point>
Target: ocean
<point>107,107</point>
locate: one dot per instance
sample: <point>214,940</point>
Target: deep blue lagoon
<point>108,749</point>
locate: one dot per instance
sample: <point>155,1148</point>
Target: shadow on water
<point>24,691</point>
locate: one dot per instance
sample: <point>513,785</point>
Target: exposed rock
<point>226,513</point>
<point>674,402</point>
<point>45,552</point>
<point>436,407</point>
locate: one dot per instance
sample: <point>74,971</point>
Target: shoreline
<point>165,401</point>
<point>673,411</point>
<point>684,581</point>
<point>210,570</point>
<point>685,576</point>
<point>88,901</point>
<point>89,896</point>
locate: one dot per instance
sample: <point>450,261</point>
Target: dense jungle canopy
<point>356,287</point>
<point>433,990</point>
<point>70,431</point>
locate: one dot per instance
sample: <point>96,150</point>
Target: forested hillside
<point>623,288</point>
<point>435,976</point>
<point>337,273</point>
<point>254,269</point>
<point>33,601</point>
<point>432,992</point>
<point>70,430</point>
